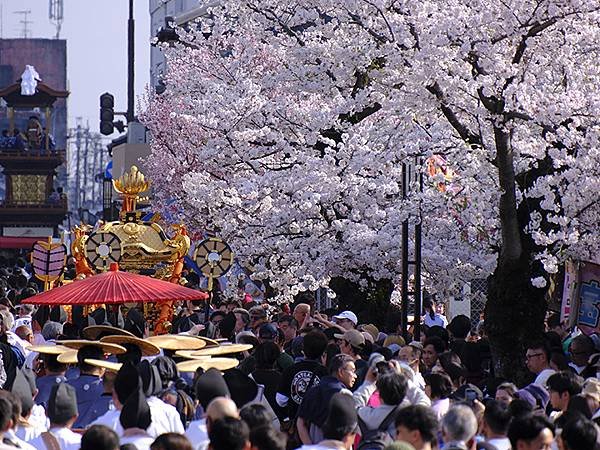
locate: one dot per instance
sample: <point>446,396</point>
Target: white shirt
<point>67,439</point>
<point>12,437</point>
<point>165,418</point>
<point>576,368</point>
<point>141,441</point>
<point>28,432</point>
<point>197,434</point>
<point>20,321</point>
<point>500,443</point>
<point>110,419</point>
<point>543,376</point>
<point>38,417</point>
<point>438,320</point>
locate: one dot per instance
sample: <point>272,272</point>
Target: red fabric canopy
<point>115,287</point>
<point>18,241</point>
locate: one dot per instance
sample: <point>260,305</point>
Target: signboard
<point>569,291</point>
<point>588,318</point>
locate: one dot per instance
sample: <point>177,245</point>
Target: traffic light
<point>107,114</point>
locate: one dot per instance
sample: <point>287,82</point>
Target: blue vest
<point>89,389</point>
<point>44,385</point>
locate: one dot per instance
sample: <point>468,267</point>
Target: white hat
<point>347,315</point>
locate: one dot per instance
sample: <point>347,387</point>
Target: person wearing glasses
<point>537,359</point>
<point>312,412</point>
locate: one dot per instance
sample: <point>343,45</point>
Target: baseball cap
<point>372,330</point>
<point>354,337</point>
<point>267,331</point>
<point>347,315</point>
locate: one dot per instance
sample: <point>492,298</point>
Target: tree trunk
<point>514,317</point>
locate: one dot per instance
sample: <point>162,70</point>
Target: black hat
<point>209,385</point>
<point>62,404</point>
<point>227,325</point>
<point>167,370</point>
<point>41,315</point>
<point>135,323</point>
<point>58,314</point>
<point>100,317</point>
<point>135,412</point>
<point>341,412</point>
<point>22,389</point>
<point>150,377</point>
<point>126,381</point>
<point>242,388</point>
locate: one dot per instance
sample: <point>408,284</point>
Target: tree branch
<point>466,135</point>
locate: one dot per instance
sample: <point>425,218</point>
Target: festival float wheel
<point>102,249</point>
<point>214,257</point>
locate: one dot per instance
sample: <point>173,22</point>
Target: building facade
<point>182,11</point>
<point>49,57</point>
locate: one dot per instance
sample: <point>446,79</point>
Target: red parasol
<point>115,287</point>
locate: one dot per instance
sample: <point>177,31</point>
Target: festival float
<point>130,261</point>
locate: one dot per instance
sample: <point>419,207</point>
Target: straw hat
<point>177,342</point>
<point>93,331</point>
<point>216,363</point>
<point>76,344</point>
<point>68,357</point>
<point>147,348</point>
<point>108,365</point>
<point>190,354</point>
<point>49,349</point>
<point>223,350</point>
<point>209,342</point>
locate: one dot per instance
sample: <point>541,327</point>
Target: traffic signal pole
<point>130,64</point>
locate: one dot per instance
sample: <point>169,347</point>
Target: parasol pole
<point>209,299</point>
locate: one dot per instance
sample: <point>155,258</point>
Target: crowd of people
<point>300,378</point>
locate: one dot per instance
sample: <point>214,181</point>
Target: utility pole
<point>78,133</point>
<point>97,150</point>
<point>55,14</point>
<point>86,168</point>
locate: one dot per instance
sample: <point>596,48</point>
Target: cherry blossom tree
<point>285,124</point>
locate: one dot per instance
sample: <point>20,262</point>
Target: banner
<point>569,292</point>
<point>588,319</point>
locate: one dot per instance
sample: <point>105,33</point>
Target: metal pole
<point>404,285</point>
<point>130,61</point>
<point>418,231</point>
<point>96,149</point>
<point>86,168</point>
<point>78,159</point>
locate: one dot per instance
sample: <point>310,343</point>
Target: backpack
<point>378,438</point>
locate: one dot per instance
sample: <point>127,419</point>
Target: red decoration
<point>115,287</point>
